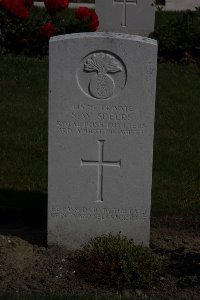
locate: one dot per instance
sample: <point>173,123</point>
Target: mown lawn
<point>23,123</point>
<point>71,297</point>
<point>23,134</point>
<point>176,170</point>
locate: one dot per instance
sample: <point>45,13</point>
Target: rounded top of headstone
<point>108,35</point>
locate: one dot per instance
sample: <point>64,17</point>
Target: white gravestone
<point>101,122</point>
<point>127,16</point>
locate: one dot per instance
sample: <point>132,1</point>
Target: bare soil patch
<point>27,266</point>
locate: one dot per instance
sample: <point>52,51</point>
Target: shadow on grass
<point>24,214</point>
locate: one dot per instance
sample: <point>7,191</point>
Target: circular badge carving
<point>101,75</point>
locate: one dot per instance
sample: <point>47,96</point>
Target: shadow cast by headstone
<point>24,214</point>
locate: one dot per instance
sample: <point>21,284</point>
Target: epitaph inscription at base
<point>101,120</point>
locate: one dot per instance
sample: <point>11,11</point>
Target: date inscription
<point>81,213</point>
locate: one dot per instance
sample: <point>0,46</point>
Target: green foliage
<point>115,261</point>
<point>22,36</point>
<point>178,35</point>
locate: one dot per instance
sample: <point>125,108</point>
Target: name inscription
<point>101,119</point>
<point>81,213</point>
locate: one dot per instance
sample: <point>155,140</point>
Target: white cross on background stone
<point>125,3</point>
<point>100,163</point>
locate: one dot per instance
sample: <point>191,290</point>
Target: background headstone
<point>127,16</point>
<point>101,120</point>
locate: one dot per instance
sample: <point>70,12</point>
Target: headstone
<point>127,16</point>
<point>101,122</point>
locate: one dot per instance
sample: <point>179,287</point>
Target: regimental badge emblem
<point>102,75</point>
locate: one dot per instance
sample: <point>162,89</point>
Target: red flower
<point>94,23</point>
<point>3,4</point>
<point>19,10</point>
<point>16,7</point>
<point>82,13</point>
<point>85,14</point>
<point>47,30</point>
<point>55,5</point>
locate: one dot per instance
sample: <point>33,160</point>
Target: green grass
<point>176,171</point>
<point>23,134</point>
<point>71,297</point>
<point>23,123</point>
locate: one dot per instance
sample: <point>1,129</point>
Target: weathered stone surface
<point>101,120</point>
<point>127,16</point>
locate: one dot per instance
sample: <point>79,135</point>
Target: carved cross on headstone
<point>100,163</point>
<point>125,3</point>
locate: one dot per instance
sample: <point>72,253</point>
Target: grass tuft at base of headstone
<point>116,262</point>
